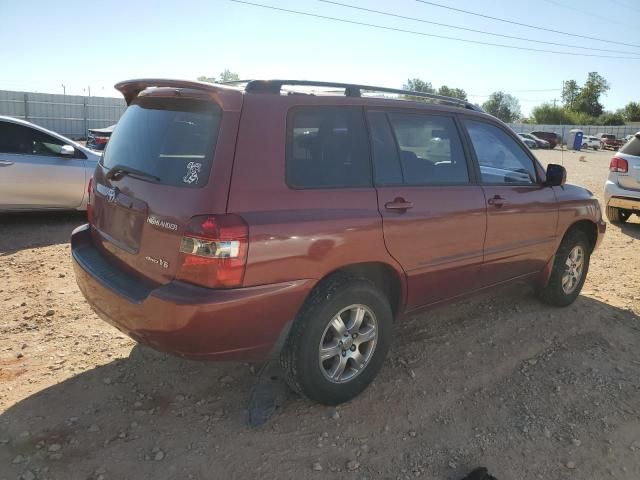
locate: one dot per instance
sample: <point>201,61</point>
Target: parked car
<point>622,189</point>
<point>539,141</point>
<point>97,138</point>
<point>609,141</point>
<point>627,138</point>
<point>240,223</point>
<point>589,141</point>
<point>41,170</point>
<point>551,137</point>
<point>532,144</point>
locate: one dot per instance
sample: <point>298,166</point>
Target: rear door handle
<point>398,204</point>
<point>497,201</point>
<point>4,163</point>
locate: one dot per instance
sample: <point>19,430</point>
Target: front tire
<point>617,215</point>
<point>339,340</point>
<point>570,267</point>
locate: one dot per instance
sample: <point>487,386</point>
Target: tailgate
<point>158,172</point>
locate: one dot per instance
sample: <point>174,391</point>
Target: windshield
<point>172,139</point>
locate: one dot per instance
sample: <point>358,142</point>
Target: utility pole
<point>64,89</point>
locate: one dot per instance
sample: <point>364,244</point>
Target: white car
<point>41,170</point>
<point>589,141</point>
<point>622,189</point>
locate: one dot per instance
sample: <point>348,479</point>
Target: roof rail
<point>350,90</point>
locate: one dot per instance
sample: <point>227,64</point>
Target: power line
<point>457,27</point>
<point>526,25</point>
<point>625,5</point>
<point>413,32</point>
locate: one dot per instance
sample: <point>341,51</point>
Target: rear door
<point>631,153</point>
<point>522,213</point>
<point>159,170</point>
<point>33,173</point>
<point>434,216</point>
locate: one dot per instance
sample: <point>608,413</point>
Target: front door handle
<point>398,204</point>
<point>497,201</point>
<point>4,163</point>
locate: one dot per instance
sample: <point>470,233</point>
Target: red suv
<point>302,219</point>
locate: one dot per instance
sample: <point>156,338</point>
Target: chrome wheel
<point>348,343</point>
<point>574,268</point>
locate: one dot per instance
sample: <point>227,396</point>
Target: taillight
<point>213,251</point>
<point>100,140</point>
<point>89,199</point>
<point>619,165</point>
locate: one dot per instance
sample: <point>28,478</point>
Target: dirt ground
<point>530,391</point>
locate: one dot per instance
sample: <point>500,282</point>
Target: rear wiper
<point>120,170</point>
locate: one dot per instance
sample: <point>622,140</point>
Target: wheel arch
<point>588,227</point>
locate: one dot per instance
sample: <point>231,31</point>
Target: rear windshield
<point>172,139</point>
<point>632,147</point>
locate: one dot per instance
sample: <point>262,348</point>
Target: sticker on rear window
<point>193,168</point>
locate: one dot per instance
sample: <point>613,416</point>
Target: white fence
<point>69,115</point>
<point>563,130</point>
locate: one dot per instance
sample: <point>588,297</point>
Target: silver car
<point>622,189</point>
<point>41,170</point>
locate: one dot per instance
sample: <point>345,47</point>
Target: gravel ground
<point>530,391</point>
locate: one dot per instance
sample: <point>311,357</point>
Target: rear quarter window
<point>327,147</point>
<point>632,147</point>
<point>170,138</point>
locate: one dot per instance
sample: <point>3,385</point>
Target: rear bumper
<point>246,324</point>
<point>615,196</point>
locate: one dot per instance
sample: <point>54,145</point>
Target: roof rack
<point>350,90</point>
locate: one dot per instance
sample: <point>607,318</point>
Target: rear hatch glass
<point>149,182</point>
<point>166,137</point>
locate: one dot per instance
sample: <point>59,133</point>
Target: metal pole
<point>84,103</point>
<point>26,106</point>
<point>64,89</point>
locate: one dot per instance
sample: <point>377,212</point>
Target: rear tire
<point>327,327</point>
<point>570,268</point>
<point>617,215</point>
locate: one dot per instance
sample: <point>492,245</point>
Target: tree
<point>588,100</point>
<point>551,115</point>
<point>226,76</point>
<point>610,118</point>
<point>417,85</point>
<point>502,105</point>
<point>631,112</point>
<point>452,92</point>
<point>570,92</point>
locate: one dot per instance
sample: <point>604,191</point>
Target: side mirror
<point>556,175</point>
<point>67,151</point>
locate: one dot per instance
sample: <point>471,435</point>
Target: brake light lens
<point>619,165</point>
<point>89,200</point>
<point>213,251</point>
<point>100,140</point>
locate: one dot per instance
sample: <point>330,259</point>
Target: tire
<point>314,327</point>
<point>564,283</point>
<point>617,215</point>
<point>585,146</point>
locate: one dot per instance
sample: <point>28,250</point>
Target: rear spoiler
<point>131,88</point>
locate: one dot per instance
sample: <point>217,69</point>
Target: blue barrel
<point>577,141</point>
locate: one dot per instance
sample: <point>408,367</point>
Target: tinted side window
<point>386,162</point>
<point>501,158</point>
<point>327,147</point>
<point>14,138</point>
<point>430,149</point>
<point>43,144</point>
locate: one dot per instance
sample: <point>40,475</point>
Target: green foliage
<point>631,112</point>
<point>226,76</point>
<point>570,92</point>
<point>588,100</point>
<point>550,115</point>
<point>452,92</point>
<point>502,105</point>
<point>610,118</point>
<point>417,85</point>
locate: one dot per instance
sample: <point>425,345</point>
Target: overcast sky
<point>47,44</point>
